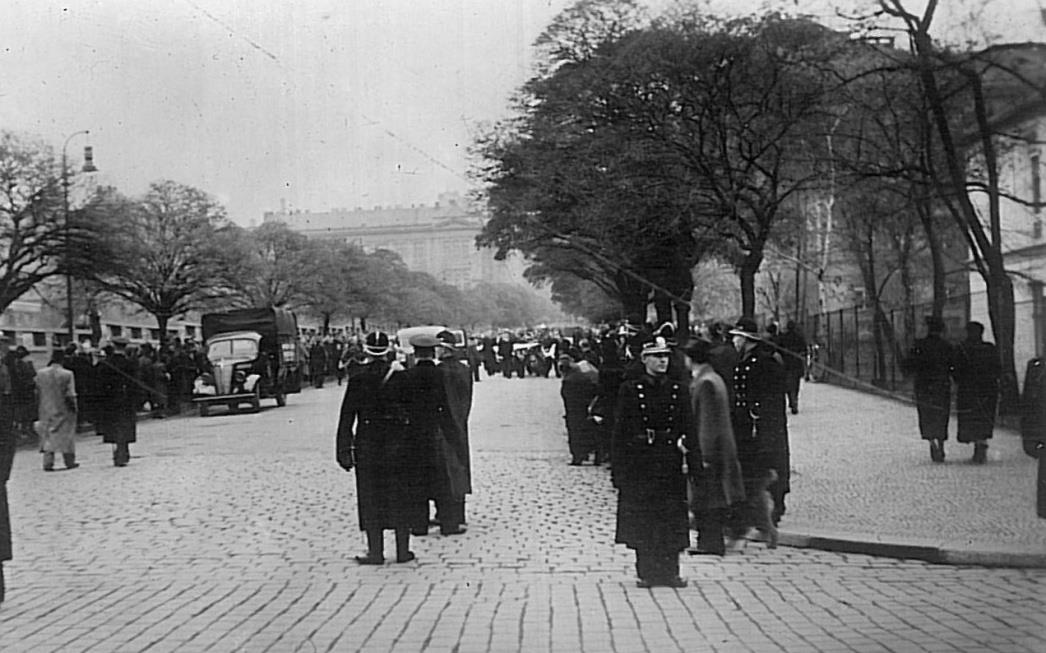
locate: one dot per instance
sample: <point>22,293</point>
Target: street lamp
<point>87,167</point>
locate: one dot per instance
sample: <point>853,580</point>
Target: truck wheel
<point>205,410</point>
<point>256,399</point>
<point>281,399</point>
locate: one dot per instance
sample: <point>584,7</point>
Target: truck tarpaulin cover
<point>269,322</point>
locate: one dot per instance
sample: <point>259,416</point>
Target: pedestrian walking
<point>721,484</point>
<point>375,438</point>
<point>793,351</point>
<point>976,370</point>
<point>454,451</point>
<point>654,448</point>
<point>8,444</point>
<point>578,391</point>
<point>760,428</point>
<point>930,362</point>
<point>120,386</point>
<point>56,396</point>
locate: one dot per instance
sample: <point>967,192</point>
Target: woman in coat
<point>375,438</point>
<point>721,484</point>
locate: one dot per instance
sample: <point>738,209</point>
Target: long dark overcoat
<point>653,413</point>
<point>7,456</point>
<point>976,370</point>
<point>758,416</point>
<point>721,485</point>
<point>120,394</point>
<point>454,455</point>
<point>578,390</point>
<point>930,360</point>
<point>425,396</point>
<point>390,469</point>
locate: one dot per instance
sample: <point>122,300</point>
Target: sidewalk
<point>863,482</point>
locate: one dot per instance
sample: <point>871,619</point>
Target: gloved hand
<point>347,459</point>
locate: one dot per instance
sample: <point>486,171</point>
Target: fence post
<point>893,352</point>
<point>857,344</point>
<point>842,344</point>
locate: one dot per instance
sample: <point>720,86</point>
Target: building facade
<point>438,239</point>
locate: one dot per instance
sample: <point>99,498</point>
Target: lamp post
<point>87,167</point>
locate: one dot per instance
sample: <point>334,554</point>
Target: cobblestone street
<point>236,533</point>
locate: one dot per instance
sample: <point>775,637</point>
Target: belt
<point>656,436</point>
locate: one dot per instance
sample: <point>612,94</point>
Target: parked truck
<point>252,354</point>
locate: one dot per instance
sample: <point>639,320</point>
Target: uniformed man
<point>758,416</point>
<point>375,438</point>
<point>425,394</point>
<point>654,448</point>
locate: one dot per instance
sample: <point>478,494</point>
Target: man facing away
<point>56,398</point>
<point>930,360</point>
<point>976,370</point>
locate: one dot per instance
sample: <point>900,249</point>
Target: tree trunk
<point>747,271</point>
<point>161,322</point>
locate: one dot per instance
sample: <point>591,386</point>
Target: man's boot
<point>70,460</point>
<point>403,552</point>
<point>375,548</point>
<point>980,453</point>
<point>48,461</point>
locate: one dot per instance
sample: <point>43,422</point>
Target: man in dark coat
<point>976,370</point>
<point>930,360</point>
<point>654,447</point>
<point>578,391</point>
<point>317,363</point>
<point>758,417</point>
<point>454,451</point>
<point>793,351</point>
<point>8,444</point>
<point>424,392</point>
<point>375,437</point>
<point>1033,425</point>
<point>120,387</point>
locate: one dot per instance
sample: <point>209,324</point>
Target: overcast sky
<point>324,103</point>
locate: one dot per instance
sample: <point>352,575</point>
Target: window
<point>136,333</point>
<point>190,331</point>
<point>154,334</point>
<point>39,339</point>
<point>236,348</point>
<point>115,330</point>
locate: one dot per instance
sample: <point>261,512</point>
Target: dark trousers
<point>121,453</point>
<point>792,378</point>
<point>450,513</point>
<point>709,525</point>
<point>657,565</point>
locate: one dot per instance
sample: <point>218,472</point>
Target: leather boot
<point>70,460</point>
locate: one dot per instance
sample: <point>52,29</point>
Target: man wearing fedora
<point>930,362</point>
<point>654,448</point>
<point>758,416</point>
<point>120,388</point>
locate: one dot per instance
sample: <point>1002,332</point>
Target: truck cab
<point>252,354</point>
